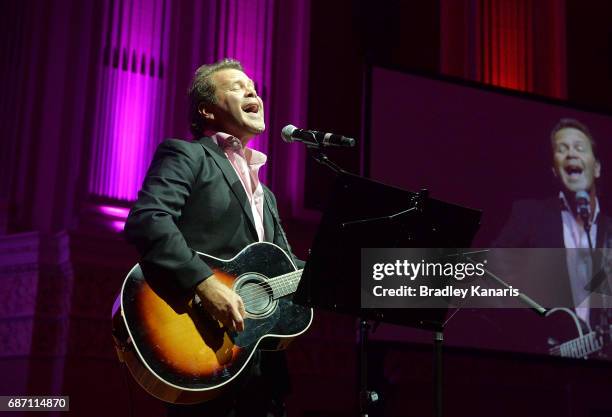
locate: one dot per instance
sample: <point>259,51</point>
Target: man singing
<point>559,222</point>
<point>205,195</point>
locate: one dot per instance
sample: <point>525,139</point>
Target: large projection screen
<point>481,148</point>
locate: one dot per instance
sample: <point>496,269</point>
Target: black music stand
<point>367,214</point>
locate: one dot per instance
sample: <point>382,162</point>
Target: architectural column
<point>130,96</point>
<point>151,50</point>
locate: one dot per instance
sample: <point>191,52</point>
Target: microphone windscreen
<point>583,195</point>
<point>287,132</point>
<point>583,204</point>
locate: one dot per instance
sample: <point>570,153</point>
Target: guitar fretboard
<point>581,347</point>
<point>285,284</point>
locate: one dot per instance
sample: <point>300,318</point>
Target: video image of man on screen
<point>573,284</point>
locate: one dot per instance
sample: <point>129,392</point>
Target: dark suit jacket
<point>192,200</point>
<point>538,224</point>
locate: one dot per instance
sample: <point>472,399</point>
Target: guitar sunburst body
<point>179,353</point>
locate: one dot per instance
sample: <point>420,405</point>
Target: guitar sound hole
<point>256,295</point>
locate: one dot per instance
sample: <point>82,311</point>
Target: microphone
<point>314,138</point>
<point>583,208</point>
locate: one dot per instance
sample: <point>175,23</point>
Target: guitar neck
<point>580,347</point>
<point>285,284</point>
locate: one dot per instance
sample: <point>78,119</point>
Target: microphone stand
<point>586,223</point>
<point>315,149</point>
<point>598,279</point>
<point>523,298</point>
<point>317,154</point>
<point>367,397</point>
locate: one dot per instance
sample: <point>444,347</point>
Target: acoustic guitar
<point>179,353</point>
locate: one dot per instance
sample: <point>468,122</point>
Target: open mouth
<point>573,171</point>
<point>251,108</point>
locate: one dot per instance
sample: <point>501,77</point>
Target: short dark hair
<point>574,124</point>
<point>202,90</point>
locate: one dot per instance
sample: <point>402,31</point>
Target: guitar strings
<point>282,282</point>
<point>266,288</point>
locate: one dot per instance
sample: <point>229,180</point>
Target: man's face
<point>573,160</point>
<point>239,110</point>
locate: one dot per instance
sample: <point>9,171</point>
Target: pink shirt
<point>246,162</point>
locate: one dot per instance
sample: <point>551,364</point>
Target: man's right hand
<point>222,303</point>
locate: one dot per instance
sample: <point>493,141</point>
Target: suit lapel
<point>604,228</point>
<point>553,234</point>
<point>551,225</point>
<point>268,217</point>
<point>231,177</point>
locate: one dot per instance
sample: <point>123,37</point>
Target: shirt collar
<point>224,140</point>
<point>231,143</point>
